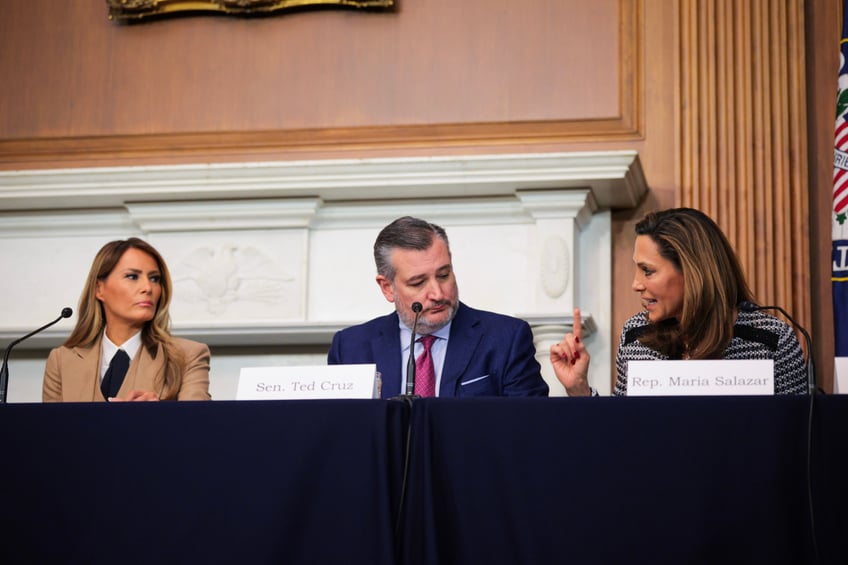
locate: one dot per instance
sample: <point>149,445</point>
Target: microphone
<point>410,364</point>
<point>4,370</point>
<point>746,306</point>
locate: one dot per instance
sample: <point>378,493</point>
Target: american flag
<point>839,275</point>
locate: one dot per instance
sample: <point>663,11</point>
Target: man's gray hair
<point>404,233</point>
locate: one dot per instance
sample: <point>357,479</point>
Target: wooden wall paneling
<point>740,144</point>
<point>659,151</point>
<point>743,139</point>
<point>431,75</point>
<point>823,31</point>
<point>724,88</point>
<point>796,164</point>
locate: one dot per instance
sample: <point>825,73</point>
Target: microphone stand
<point>410,363</point>
<point>4,370</point>
<point>408,397</point>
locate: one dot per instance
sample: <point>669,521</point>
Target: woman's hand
<point>570,361</point>
<point>138,396</point>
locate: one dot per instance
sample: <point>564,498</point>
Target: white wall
<point>266,277</point>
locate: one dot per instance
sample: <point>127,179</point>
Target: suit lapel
<point>385,348</point>
<point>144,371</point>
<point>465,333</point>
<point>83,384</point>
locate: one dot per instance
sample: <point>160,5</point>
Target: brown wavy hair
<point>91,319</point>
<point>713,284</point>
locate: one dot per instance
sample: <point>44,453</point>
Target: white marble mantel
<point>615,177</point>
<point>280,253</point>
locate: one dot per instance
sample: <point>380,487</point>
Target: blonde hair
<point>91,319</point>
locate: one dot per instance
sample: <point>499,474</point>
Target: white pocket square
<point>474,380</point>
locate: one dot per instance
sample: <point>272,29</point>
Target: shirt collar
<point>406,334</point>
<point>130,346</point>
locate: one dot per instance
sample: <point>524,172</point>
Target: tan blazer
<point>73,374</point>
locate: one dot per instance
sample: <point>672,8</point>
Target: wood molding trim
<point>240,146</point>
<point>744,138</point>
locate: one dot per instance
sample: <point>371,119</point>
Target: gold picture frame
<point>130,10</point>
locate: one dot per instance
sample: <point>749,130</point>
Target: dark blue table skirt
<point>512,481</point>
<point>201,482</point>
<point>616,480</point>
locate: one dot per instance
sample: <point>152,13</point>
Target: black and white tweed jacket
<point>755,336</point>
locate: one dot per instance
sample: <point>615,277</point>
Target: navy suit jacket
<point>488,354</point>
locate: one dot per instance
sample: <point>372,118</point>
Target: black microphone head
<point>416,307</point>
<point>67,312</point>
<point>746,306</point>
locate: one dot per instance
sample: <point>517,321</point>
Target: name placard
<point>308,382</point>
<point>840,375</point>
<point>697,377</point>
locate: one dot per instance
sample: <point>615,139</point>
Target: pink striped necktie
<point>425,372</point>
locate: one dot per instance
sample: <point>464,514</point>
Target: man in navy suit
<point>475,353</point>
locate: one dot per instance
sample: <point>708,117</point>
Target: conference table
<point>201,482</point>
<point>434,481</point>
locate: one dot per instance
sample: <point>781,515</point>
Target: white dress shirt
<point>437,350</point>
<point>108,350</point>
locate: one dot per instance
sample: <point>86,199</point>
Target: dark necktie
<point>114,377</point>
<point>425,372</point>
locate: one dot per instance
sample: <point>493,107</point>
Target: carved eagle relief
<point>230,274</point>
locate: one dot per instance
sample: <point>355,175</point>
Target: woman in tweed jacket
<point>691,286</point>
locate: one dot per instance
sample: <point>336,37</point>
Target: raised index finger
<point>578,327</point>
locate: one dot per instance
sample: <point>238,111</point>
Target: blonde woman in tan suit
<point>121,348</point>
